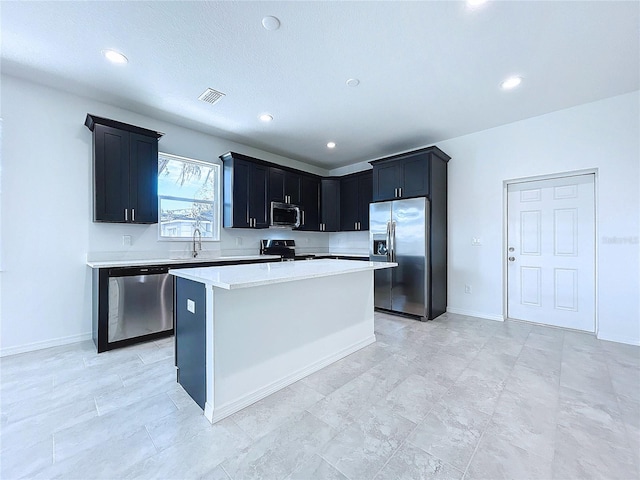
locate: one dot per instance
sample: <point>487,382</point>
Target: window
<point>188,198</point>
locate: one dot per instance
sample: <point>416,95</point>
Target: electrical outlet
<point>191,305</point>
<point>126,240</point>
<point>238,241</point>
<point>467,289</point>
<point>476,241</point>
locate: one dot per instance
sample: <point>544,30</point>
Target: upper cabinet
<point>330,205</point>
<point>125,171</point>
<point>246,188</point>
<point>406,175</point>
<point>284,186</point>
<point>310,203</point>
<point>355,196</point>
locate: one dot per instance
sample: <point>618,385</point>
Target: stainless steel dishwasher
<point>140,302</point>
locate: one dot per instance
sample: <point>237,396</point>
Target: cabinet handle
<point>126,214</point>
<point>400,189</point>
<point>303,217</point>
<point>133,214</point>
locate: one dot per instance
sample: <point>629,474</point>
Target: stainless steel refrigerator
<point>399,232</point>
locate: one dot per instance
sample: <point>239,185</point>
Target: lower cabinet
<point>190,301</point>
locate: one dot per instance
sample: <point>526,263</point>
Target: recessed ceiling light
<point>475,3</point>
<point>115,57</point>
<point>271,23</point>
<point>511,82</point>
<point>265,117</point>
<point>331,145</point>
<point>353,82</point>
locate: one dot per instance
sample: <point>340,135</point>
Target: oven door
<point>285,215</point>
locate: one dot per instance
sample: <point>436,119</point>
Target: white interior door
<point>551,252</point>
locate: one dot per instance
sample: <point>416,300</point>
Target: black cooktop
<point>284,248</point>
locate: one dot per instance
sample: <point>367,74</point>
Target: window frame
<point>216,202</point>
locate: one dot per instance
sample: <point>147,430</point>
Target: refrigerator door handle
<point>388,241</point>
<point>393,241</point>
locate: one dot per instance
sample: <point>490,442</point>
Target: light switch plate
<point>191,305</point>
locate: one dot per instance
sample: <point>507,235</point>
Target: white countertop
<point>132,262</point>
<point>257,274</point>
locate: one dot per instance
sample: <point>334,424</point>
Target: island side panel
<point>270,336</point>
<point>190,331</point>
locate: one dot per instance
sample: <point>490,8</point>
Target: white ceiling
<point>428,71</point>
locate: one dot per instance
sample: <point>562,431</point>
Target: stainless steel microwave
<point>285,215</point>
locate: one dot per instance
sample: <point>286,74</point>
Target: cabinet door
<point>293,188</point>
<point>111,174</point>
<point>284,186</point>
<point>365,196</point>
<point>258,195</point>
<point>276,185</point>
<point>415,176</point>
<point>386,181</point>
<point>310,203</point>
<point>349,203</point>
<point>330,202</point>
<point>241,174</point>
<point>143,181</point>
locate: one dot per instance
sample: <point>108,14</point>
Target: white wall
<point>46,208</point>
<point>603,135</point>
<point>46,212</point>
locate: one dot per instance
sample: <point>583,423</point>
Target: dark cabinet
<point>406,175</point>
<point>125,172</point>
<point>330,205</point>
<point>191,349</point>
<point>355,196</point>
<point>310,203</point>
<point>245,192</point>
<point>285,186</point>
<point>422,173</point>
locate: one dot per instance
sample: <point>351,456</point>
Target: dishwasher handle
<point>135,271</point>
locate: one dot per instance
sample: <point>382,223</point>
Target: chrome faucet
<point>199,244</point>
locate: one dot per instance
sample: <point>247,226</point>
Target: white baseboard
<point>215,414</point>
<point>55,342</point>
<point>618,339</point>
<point>471,313</point>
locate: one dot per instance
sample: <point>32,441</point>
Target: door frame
<point>505,227</point>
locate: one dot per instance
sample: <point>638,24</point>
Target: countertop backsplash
<point>233,242</point>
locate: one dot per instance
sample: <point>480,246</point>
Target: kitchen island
<point>245,331</point>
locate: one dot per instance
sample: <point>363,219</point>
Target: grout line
<point>334,466</point>
<point>225,470</point>
<point>53,448</point>
<point>150,438</point>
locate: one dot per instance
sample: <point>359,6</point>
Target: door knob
<point>512,259</point>
<point>511,249</point>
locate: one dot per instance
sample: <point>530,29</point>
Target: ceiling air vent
<point>211,96</point>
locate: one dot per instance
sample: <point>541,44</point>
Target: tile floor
<point>457,397</point>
